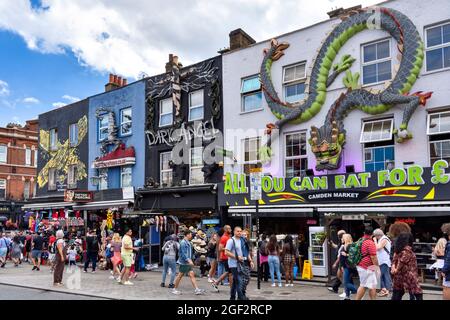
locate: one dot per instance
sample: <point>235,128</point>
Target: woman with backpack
<point>383,244</point>
<point>170,248</point>
<point>60,259</point>
<point>349,270</point>
<point>288,256</point>
<point>404,269</point>
<point>273,252</point>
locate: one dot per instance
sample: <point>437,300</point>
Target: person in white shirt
<point>383,244</point>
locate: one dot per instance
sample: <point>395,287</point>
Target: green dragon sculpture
<point>327,141</point>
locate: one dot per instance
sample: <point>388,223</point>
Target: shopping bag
<point>295,271</point>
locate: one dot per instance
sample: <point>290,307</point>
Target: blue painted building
<point>116,137</point>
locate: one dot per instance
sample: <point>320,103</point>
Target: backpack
<point>108,253</point>
<point>170,248</point>
<point>262,248</point>
<point>355,253</point>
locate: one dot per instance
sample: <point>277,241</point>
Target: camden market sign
<point>414,183</point>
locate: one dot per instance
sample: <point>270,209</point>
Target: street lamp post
<point>256,194</point>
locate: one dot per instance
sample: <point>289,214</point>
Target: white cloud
<point>31,100</point>
<point>59,104</point>
<point>4,88</point>
<point>130,37</point>
<point>16,119</point>
<point>70,98</point>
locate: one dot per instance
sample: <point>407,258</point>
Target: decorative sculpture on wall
<point>174,82</point>
<point>63,157</point>
<point>112,138</point>
<point>328,140</point>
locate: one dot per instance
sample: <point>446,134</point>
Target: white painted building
<point>245,109</point>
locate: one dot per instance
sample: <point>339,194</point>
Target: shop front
<point>346,202</point>
<point>167,211</point>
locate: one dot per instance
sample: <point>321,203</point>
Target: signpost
<point>256,195</point>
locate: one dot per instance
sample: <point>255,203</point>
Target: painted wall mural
<point>63,157</point>
<point>327,142</point>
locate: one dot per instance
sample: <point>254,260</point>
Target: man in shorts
<point>186,264</point>
<point>127,257</point>
<point>36,252</point>
<point>368,267</point>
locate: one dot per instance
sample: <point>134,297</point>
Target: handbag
<point>242,268</point>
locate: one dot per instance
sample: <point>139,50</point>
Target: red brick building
<point>18,168</point>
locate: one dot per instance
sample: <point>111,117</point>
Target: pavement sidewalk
<point>147,286</point>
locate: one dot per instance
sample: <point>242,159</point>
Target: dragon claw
<point>402,134</point>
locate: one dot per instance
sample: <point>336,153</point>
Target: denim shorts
<point>36,254</point>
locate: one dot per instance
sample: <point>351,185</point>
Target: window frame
<point>6,153</point>
<point>429,146</point>
<point>300,157</point>
<point>35,158</point>
<point>52,187</point>
<point>73,143</point>
<point>28,157</point>
<point>25,184</point>
<point>99,186</point>
<point>285,84</point>
<point>365,149</point>
<point>197,106</point>
<point>429,119</point>
<point>374,121</point>
<point>258,148</point>
<point>250,93</point>
<point>191,167</point>
<point>122,174</point>
<point>439,46</point>
<point>126,122</point>
<point>162,171</point>
<point>163,114</point>
<point>71,177</point>
<point>3,188</point>
<point>55,146</point>
<point>99,127</point>
<point>376,61</point>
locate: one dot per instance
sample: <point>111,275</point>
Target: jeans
<point>91,256</point>
<point>385,280</point>
<point>348,282</point>
<point>221,271</point>
<point>274,266</point>
<point>236,287</point>
<point>169,262</point>
<point>398,294</point>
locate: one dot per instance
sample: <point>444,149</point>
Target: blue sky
<point>54,52</point>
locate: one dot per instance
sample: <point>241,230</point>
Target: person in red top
<point>223,259</point>
<point>368,266</point>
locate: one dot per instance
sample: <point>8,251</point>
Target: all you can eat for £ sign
<point>414,183</point>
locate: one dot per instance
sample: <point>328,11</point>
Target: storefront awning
<point>104,205</point>
<point>270,211</point>
<point>403,211</point>
<point>48,205</point>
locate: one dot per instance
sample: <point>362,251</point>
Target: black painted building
<point>184,145</point>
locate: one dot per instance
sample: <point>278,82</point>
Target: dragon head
<point>327,144</point>
<point>276,49</point>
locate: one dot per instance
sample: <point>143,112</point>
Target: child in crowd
<point>72,253</point>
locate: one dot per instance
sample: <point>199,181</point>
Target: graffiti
<point>63,157</point>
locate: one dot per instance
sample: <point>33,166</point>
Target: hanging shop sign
<point>353,217</point>
<point>187,132</point>
<point>5,209</point>
<point>210,222</point>
<point>255,184</point>
<point>78,196</point>
<point>410,221</point>
<point>414,183</point>
<point>119,157</point>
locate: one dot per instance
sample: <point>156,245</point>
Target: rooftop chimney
<point>173,60</point>
<point>340,12</point>
<point>239,39</point>
<point>115,82</point>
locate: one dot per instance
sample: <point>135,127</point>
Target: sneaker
<point>210,280</point>
<point>93,271</point>
<point>274,285</point>
<point>291,285</point>
<point>175,291</point>
<point>112,278</point>
<point>215,287</point>
<point>171,286</point>
<point>342,295</point>
<point>85,271</point>
<point>332,290</point>
<point>287,285</point>
<point>199,291</point>
<point>280,285</point>
<point>128,283</point>
<point>162,285</point>
<point>37,269</point>
<point>34,268</point>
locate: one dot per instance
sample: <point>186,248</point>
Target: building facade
<point>343,95</point>
<point>18,162</point>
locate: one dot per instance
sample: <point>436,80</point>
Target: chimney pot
<point>125,82</point>
<point>119,81</point>
<point>114,79</point>
<point>111,78</point>
<point>240,39</point>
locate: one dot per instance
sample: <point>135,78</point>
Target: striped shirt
<point>368,249</point>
